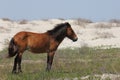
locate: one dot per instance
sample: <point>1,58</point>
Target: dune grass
<point>68,64</point>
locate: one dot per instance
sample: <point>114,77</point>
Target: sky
<point>95,10</point>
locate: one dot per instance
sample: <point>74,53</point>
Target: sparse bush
<point>45,19</point>
<point>61,19</point>
<point>104,35</point>
<point>104,25</point>
<point>107,25</point>
<point>114,21</point>
<point>82,22</point>
<point>23,22</point>
<point>6,19</point>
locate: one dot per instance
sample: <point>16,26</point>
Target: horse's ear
<point>67,24</point>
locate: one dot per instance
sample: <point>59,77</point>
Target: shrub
<point>82,22</point>
<point>23,22</point>
<point>6,19</point>
<point>104,25</point>
<point>114,21</point>
<point>105,35</point>
<point>62,19</point>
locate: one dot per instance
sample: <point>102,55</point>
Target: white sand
<point>90,35</point>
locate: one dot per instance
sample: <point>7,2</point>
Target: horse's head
<point>70,33</point>
<point>63,30</point>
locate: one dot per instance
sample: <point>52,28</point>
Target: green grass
<point>68,63</point>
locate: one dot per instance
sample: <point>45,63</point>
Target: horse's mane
<point>59,31</point>
<point>59,28</point>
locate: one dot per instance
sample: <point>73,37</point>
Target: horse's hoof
<point>14,72</point>
<point>20,71</point>
<point>47,70</point>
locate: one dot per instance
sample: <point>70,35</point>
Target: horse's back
<point>23,35</point>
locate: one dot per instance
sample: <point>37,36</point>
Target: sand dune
<point>98,35</point>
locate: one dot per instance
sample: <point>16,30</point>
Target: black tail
<point>12,49</point>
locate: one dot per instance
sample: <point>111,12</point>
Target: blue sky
<point>95,10</point>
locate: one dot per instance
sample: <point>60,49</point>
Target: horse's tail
<point>12,49</point>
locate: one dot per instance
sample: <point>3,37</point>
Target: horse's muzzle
<point>75,39</point>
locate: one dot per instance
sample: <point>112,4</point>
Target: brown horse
<point>47,42</point>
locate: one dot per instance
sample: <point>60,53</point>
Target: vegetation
<point>23,22</point>
<point>68,64</point>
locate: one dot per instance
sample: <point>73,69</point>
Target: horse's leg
<point>15,65</point>
<point>50,57</point>
<point>19,63</point>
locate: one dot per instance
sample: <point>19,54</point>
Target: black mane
<point>59,31</point>
<point>58,28</point>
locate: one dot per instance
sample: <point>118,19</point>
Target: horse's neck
<point>59,38</point>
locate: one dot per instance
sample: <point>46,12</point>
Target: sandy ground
<point>99,34</point>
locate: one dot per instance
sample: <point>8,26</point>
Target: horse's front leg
<point>50,57</point>
<point>15,65</point>
<point>19,63</point>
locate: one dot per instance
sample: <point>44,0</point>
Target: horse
<point>46,42</point>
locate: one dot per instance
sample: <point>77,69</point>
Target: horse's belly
<point>38,49</point>
<point>39,46</point>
